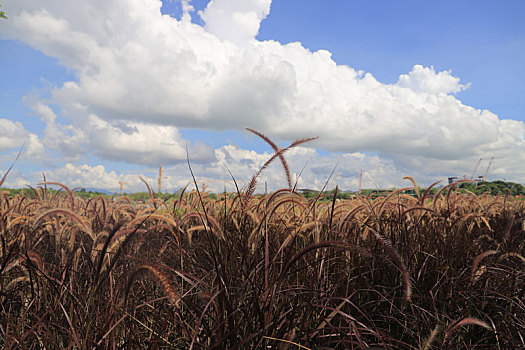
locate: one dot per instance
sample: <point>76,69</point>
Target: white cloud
<point>14,135</point>
<point>243,164</point>
<point>378,172</point>
<point>424,79</point>
<point>142,143</point>
<point>66,139</point>
<point>235,20</point>
<point>140,76</point>
<point>15,179</point>
<point>132,142</point>
<point>84,176</point>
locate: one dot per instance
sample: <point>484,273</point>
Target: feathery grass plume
<point>398,260</point>
<point>102,253</point>
<point>150,191</point>
<point>416,188</point>
<point>430,339</point>
<point>44,189</point>
<point>509,254</point>
<point>427,192</point>
<point>14,281</point>
<point>253,182</point>
<point>70,193</point>
<point>461,220</point>
<point>449,188</point>
<point>35,193</point>
<point>276,204</point>
<point>178,203</point>
<point>276,150</point>
<point>206,225</point>
<point>168,287</point>
<point>267,199</point>
<point>33,257</point>
<point>414,209</point>
<point>478,260</point>
<point>465,322</point>
<point>348,217</point>
<point>383,204</point>
<point>67,214</point>
<point>22,220</point>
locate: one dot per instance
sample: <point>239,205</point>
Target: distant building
<point>452,179</point>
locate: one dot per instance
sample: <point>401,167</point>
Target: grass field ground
<point>260,271</point>
<point>441,268</point>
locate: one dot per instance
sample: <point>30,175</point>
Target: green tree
<point>2,13</point>
<point>495,188</point>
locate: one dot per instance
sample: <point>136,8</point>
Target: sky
<point>97,92</point>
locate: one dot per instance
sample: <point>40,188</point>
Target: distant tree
<point>2,13</point>
<point>495,188</point>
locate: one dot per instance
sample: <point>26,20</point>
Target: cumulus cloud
<point>235,20</point>
<point>142,143</point>
<point>14,135</point>
<point>426,80</point>
<point>15,179</point>
<point>132,142</point>
<point>140,76</point>
<point>87,176</point>
<point>99,177</point>
<point>65,139</point>
<point>308,167</point>
<point>243,164</point>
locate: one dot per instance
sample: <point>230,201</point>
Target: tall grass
<point>251,271</point>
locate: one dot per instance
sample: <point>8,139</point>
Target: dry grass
<point>250,271</point>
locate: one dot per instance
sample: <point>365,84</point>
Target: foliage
<point>495,188</point>
<point>2,14</point>
<point>82,193</point>
<point>87,194</point>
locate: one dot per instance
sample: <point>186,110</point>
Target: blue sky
<point>387,38</point>
<point>397,88</point>
<point>482,42</point>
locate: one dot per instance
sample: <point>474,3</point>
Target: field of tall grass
<point>247,271</point>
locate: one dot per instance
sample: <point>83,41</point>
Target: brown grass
<point>252,271</point>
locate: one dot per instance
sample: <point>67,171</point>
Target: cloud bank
<point>142,76</point>
<point>242,163</point>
